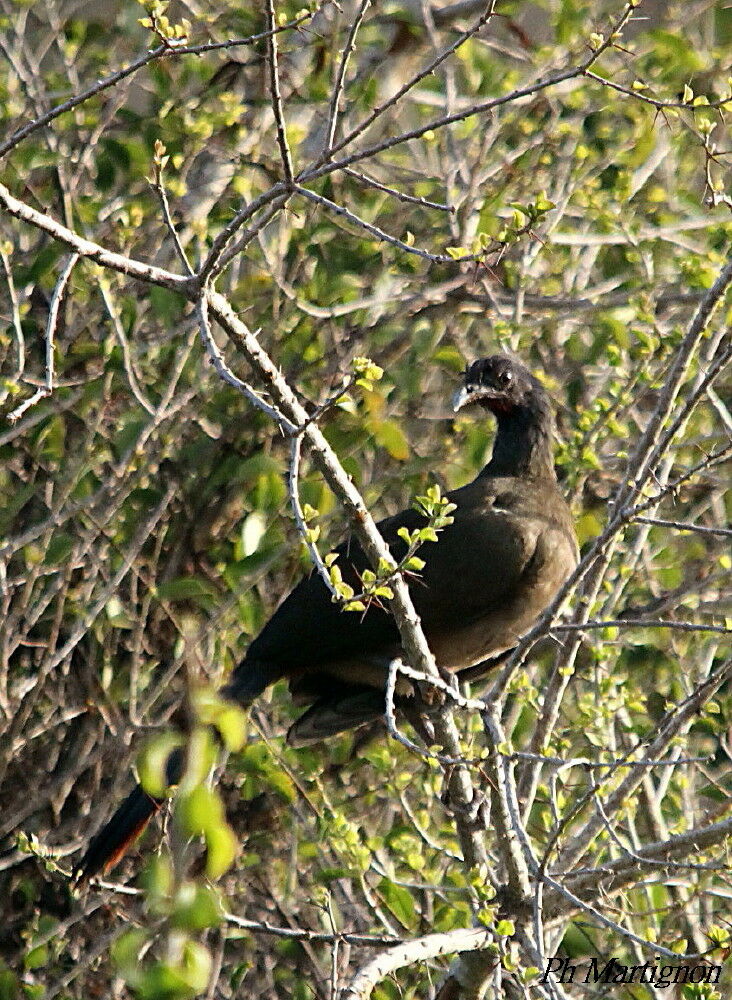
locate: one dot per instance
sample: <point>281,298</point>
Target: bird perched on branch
<point>486,579</point>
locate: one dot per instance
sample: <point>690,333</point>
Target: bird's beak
<point>472,394</point>
<point>460,398</point>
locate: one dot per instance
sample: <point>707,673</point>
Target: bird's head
<point>501,385</point>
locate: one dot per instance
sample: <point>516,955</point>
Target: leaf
<point>253,530</point>
<point>186,587</point>
<point>222,846</point>
<point>389,435</point>
<point>398,901</point>
<point>58,549</point>
<point>152,762</point>
<point>196,907</point>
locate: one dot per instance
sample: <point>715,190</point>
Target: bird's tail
<point>131,818</point>
<point>127,823</point>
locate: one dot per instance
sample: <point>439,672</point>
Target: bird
<point>490,573</point>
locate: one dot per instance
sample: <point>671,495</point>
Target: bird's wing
<point>472,569</point>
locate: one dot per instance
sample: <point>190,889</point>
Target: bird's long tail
<point>131,818</point>
<point>127,823</point>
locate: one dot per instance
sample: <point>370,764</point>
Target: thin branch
<point>434,258</point>
<point>304,531</point>
<point>15,312</point>
<point>274,87</point>
<point>47,388</point>
<point>299,934</point>
<point>685,526</point>
<point>160,52</point>
<point>655,102</point>
<point>597,916</point>
<point>641,623</point>
<point>342,70</point>
<point>119,331</point>
<point>409,199</point>
<point>162,194</point>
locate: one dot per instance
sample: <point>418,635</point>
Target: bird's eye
<point>505,377</point>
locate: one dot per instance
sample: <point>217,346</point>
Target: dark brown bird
<point>490,574</point>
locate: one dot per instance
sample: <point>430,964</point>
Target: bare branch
<point>274,86</point>
<point>47,388</point>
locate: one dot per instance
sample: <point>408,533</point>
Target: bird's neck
<point>523,446</point>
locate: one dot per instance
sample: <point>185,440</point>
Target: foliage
<point>558,187</point>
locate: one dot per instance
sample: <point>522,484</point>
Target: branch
<point>642,623</point>
<point>410,631</point>
<point>342,70</point>
<point>274,88</point>
<point>47,388</point>
<point>162,51</point>
<point>420,950</point>
<point>93,251</point>
<point>615,875</point>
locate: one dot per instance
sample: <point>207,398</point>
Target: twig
<point>162,194</point>
<point>640,623</point>
<point>653,101</point>
<point>345,213</point>
<point>302,527</point>
<point>47,388</point>
<point>342,70</point>
<point>300,934</point>
<point>623,932</point>
<point>15,311</point>
<point>274,87</point>
<point>685,526</point>
<point>121,336</point>
<point>409,199</point>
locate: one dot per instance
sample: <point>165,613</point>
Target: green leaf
<point>398,901</point>
<point>152,762</point>
<point>390,435</point>
<point>126,955</point>
<point>196,907</point>
<point>185,588</point>
<point>59,548</point>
